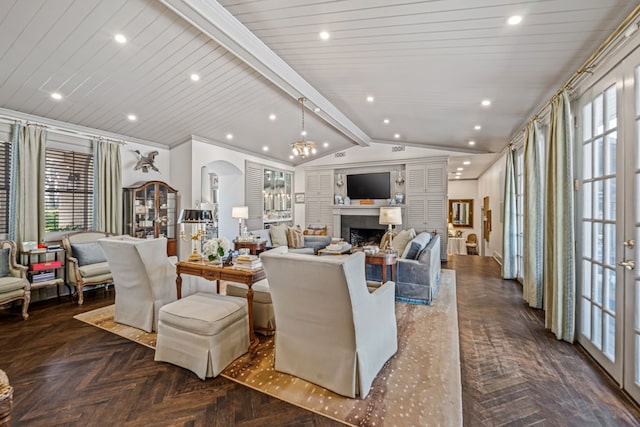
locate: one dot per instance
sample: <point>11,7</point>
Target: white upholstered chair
<point>331,330</point>
<point>86,264</point>
<point>13,278</point>
<point>143,276</point>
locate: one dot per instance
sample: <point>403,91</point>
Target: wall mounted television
<point>369,185</point>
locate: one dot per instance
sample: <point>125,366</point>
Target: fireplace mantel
<point>358,210</point>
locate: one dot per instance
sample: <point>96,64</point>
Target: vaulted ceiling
<point>426,64</point>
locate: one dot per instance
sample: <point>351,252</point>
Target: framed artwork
<point>299,197</point>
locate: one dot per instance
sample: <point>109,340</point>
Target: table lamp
<point>390,216</point>
<point>450,229</point>
<point>240,213</point>
<point>197,217</point>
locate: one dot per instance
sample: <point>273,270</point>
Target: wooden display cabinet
<point>150,212</point>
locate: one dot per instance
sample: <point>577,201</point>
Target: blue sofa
<point>417,280</point>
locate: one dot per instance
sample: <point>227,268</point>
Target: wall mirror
<point>461,212</point>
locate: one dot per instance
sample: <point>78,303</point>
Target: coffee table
<point>218,272</point>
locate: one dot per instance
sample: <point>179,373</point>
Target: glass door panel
<point>598,220</point>
<point>630,253</point>
<point>609,204</point>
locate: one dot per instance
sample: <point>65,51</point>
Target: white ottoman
<point>203,332</point>
<point>264,321</point>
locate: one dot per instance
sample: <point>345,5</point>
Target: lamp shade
<point>240,212</point>
<point>390,215</point>
<point>195,216</point>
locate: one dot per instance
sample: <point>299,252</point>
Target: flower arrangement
<point>214,249</point>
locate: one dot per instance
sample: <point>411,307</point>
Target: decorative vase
<point>215,260</point>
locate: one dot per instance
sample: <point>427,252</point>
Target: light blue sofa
<point>312,243</point>
<point>417,280</point>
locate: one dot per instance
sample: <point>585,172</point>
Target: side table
<point>383,259</point>
<point>254,247</point>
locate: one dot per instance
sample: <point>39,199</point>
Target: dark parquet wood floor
<point>513,371</point>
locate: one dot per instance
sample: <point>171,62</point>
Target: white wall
<point>467,189</point>
<point>491,184</point>
<point>187,161</point>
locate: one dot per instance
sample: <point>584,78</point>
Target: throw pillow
<point>88,253</point>
<point>278,235</point>
<point>412,250</point>
<point>295,238</point>
<point>4,263</point>
<point>402,240</point>
<point>422,240</point>
<point>384,241</point>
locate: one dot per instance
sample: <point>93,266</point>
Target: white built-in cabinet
<point>268,195</point>
<point>319,199</point>
<point>425,191</point>
<point>426,199</point>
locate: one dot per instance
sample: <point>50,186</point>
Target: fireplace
<point>365,236</point>
<point>362,230</point>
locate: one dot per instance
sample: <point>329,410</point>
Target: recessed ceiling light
<point>56,96</point>
<point>120,38</point>
<point>485,102</point>
<point>466,162</point>
<point>316,110</point>
<point>386,121</point>
<point>458,173</point>
<point>324,35</point>
<point>460,169</point>
<point>472,143</point>
<point>457,177</point>
<point>303,133</point>
<point>132,117</point>
<point>195,77</point>
<point>265,148</point>
<point>325,145</point>
<point>396,136</point>
<point>369,98</point>
<point>272,117</point>
<point>514,20</point>
<point>477,127</point>
<point>314,151</point>
<point>229,136</point>
<point>291,157</point>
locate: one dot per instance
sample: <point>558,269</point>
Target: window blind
<point>68,191</point>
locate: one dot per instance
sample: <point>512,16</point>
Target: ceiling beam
<point>221,26</point>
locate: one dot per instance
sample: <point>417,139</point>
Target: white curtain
<point>559,258</point>
<point>510,229</point>
<point>107,194</point>
<point>533,244</point>
<point>27,207</point>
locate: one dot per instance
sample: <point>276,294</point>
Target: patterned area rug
<point>420,385</point>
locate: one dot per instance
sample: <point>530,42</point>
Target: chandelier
<point>303,148</point>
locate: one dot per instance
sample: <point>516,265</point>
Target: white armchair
<point>144,279</point>
<point>331,330</point>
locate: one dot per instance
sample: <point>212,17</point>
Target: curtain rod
<point>62,131</point>
<point>586,65</point>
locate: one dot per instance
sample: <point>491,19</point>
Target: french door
<point>609,223</point>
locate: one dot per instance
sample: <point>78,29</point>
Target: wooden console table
<point>384,260</point>
<point>217,272</point>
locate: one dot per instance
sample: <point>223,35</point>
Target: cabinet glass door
<point>277,187</point>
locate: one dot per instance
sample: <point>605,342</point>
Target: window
<point>5,185</point>
<point>68,197</point>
